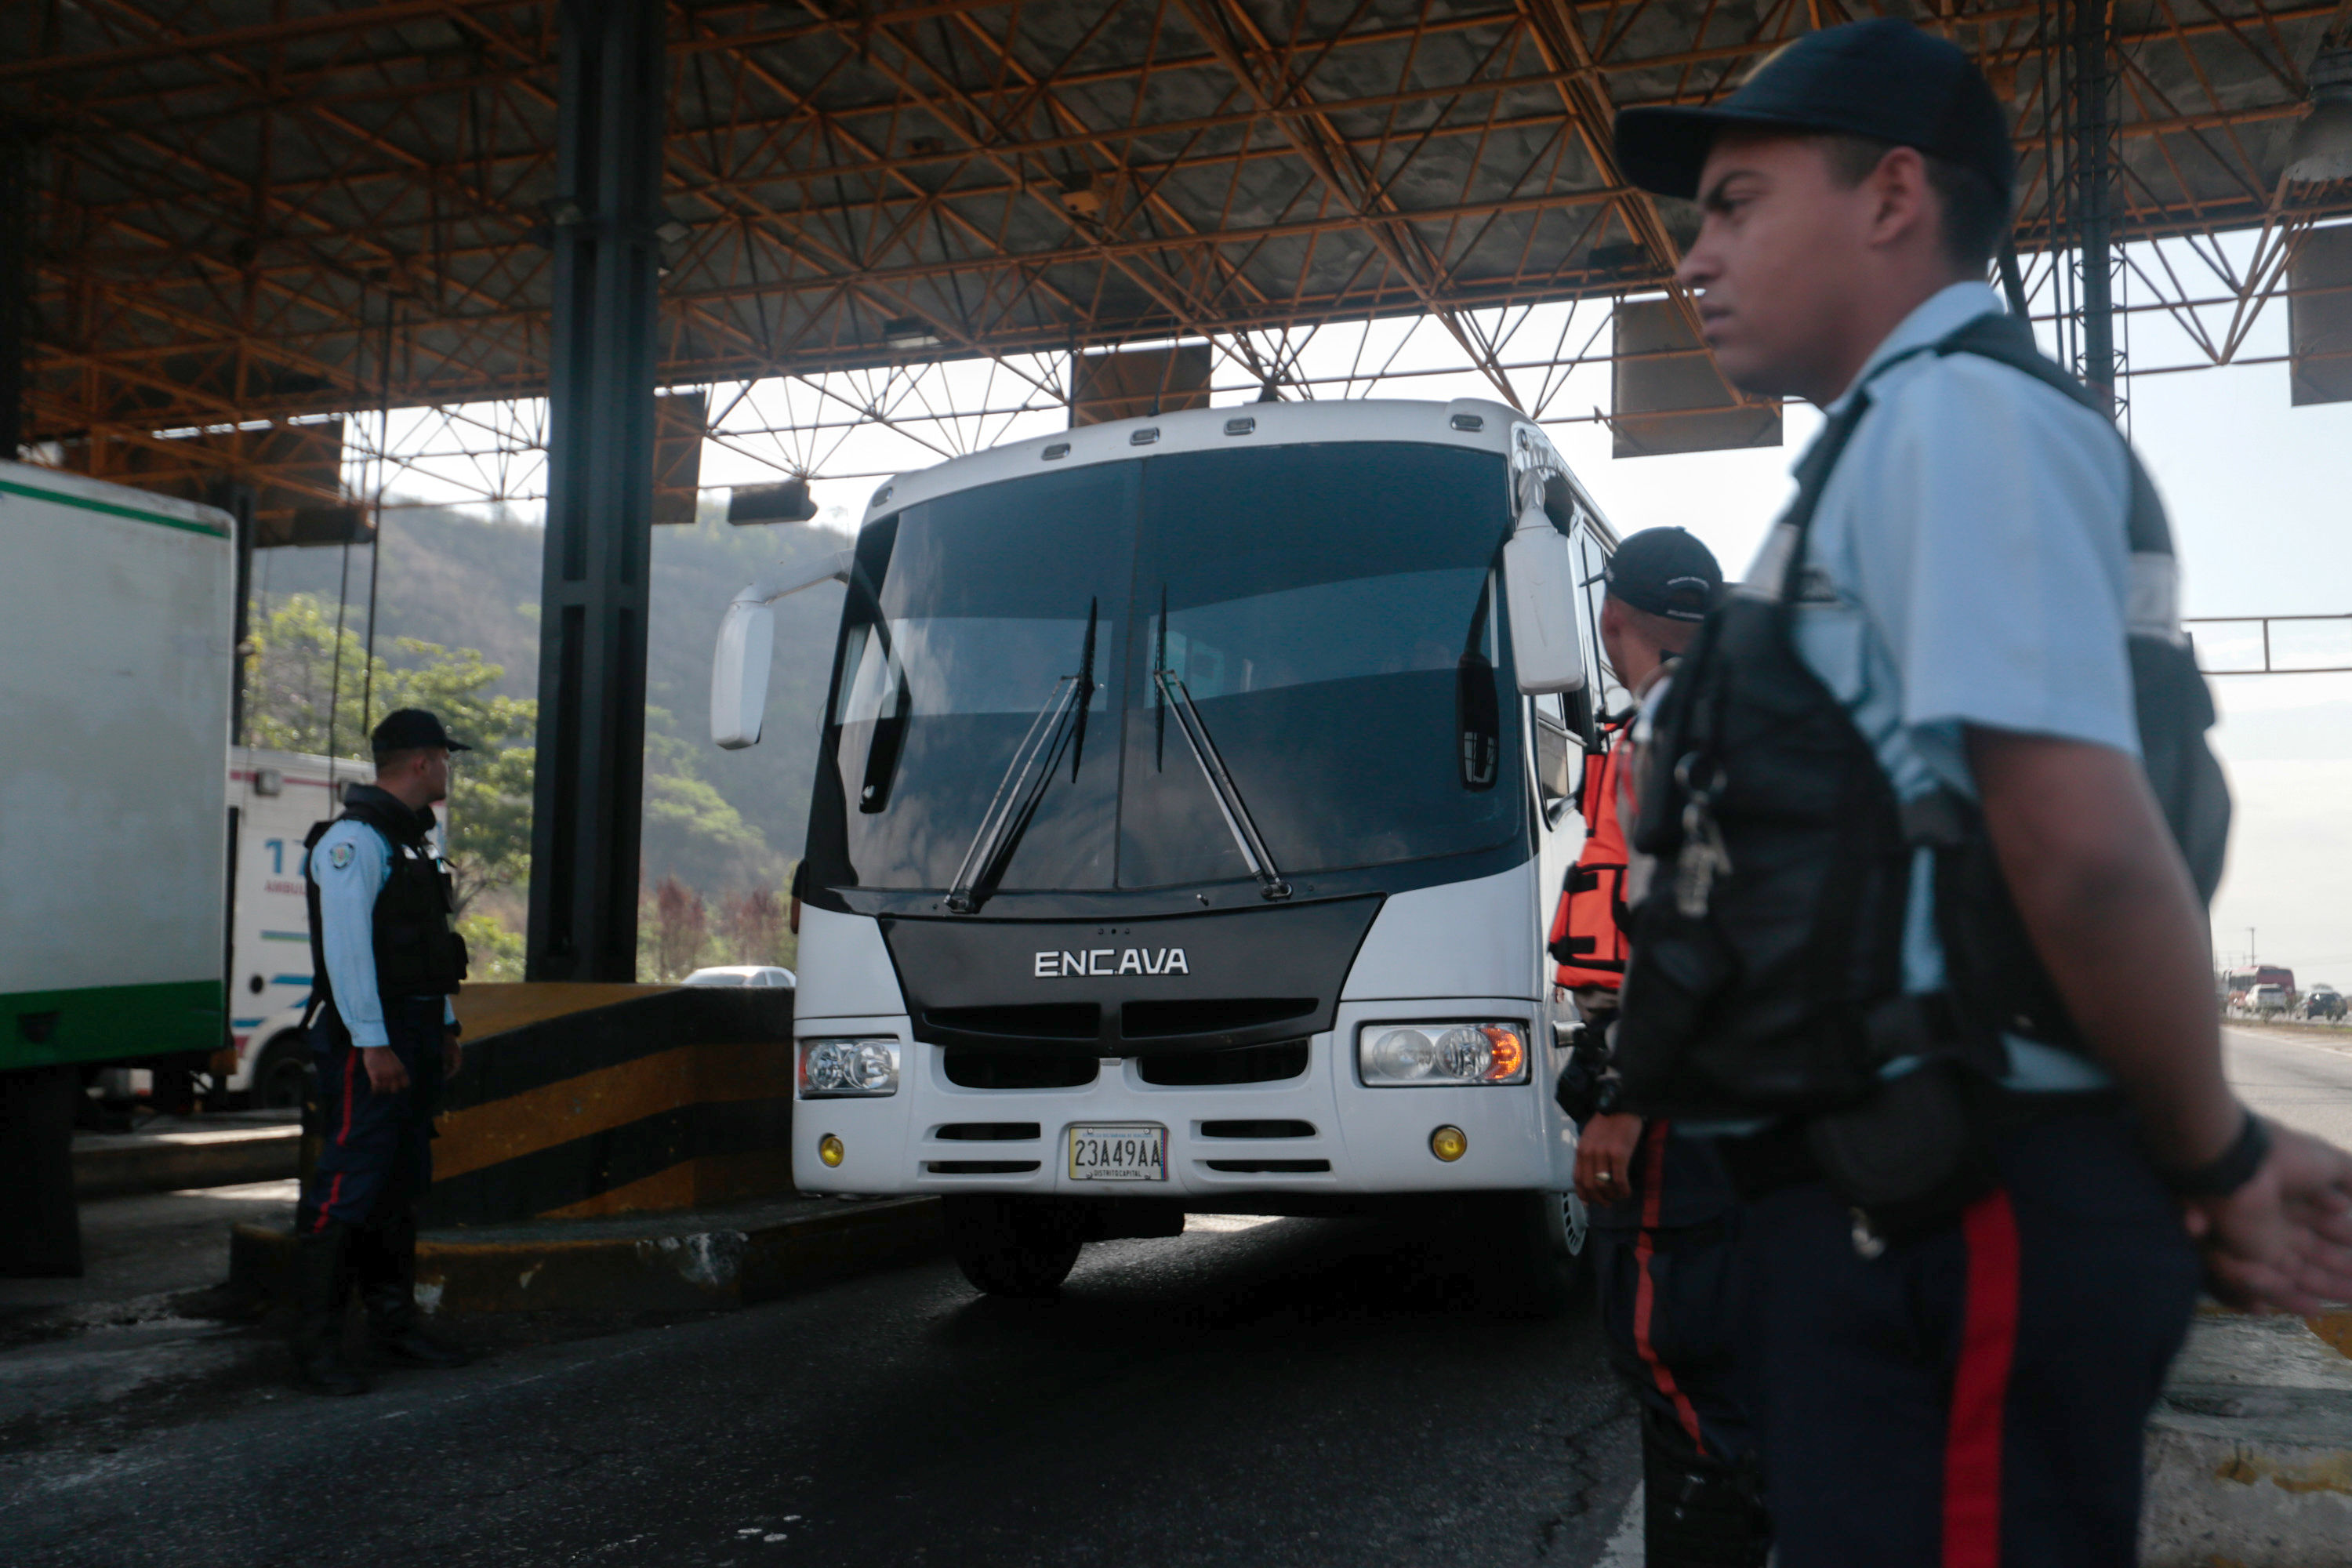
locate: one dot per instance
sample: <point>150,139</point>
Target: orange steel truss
<point>267,210</point>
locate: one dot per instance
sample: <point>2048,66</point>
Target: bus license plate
<point>1134,1153</point>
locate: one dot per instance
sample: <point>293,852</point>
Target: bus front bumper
<point>1323,1132</point>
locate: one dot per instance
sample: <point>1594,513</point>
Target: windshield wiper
<point>1023,787</point>
<point>1175,697</point>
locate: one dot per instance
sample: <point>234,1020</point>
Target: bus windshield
<point>1329,609</point>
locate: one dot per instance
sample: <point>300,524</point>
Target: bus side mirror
<point>738,675</point>
<point>1539,586</point>
<point>747,637</point>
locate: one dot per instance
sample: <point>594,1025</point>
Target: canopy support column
<point>589,796</point>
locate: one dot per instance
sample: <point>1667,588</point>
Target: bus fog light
<point>837,1069</point>
<point>1449,1143</point>
<point>829,1148</point>
<point>1392,1055</point>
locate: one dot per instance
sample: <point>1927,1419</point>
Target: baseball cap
<point>411,729</point>
<point>1665,572</point>
<point>1882,79</point>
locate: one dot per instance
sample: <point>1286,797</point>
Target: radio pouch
<point>1912,1155</point>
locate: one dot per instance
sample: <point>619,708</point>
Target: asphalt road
<point>1275,1392</point>
<point>2303,1079</point>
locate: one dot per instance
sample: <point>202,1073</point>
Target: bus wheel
<point>279,1074</point>
<point>1012,1246</point>
<point>1533,1263</point>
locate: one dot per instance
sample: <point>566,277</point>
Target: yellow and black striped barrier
<point>579,1100</point>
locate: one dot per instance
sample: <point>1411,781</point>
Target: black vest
<point>418,952</point>
<point>1766,974</point>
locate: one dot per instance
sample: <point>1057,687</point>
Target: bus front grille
<point>1240,1064</point>
<point>1012,1067</point>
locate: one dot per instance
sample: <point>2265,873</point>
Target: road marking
<point>1624,1548</point>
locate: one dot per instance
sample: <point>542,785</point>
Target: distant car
<point>744,974</point>
<point>2267,1000</point>
<point>2323,1002</point>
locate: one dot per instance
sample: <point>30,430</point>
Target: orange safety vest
<point>1588,931</point>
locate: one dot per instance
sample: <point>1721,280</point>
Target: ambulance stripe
<point>1972,1444</point>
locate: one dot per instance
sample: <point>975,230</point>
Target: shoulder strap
<point>2006,339</point>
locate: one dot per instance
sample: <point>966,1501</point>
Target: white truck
<point>116,616</point>
<point>274,798</point>
<point>1192,800</point>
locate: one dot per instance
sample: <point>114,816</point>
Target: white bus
<point>1192,798</point>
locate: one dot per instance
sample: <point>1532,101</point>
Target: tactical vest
<point>1767,965</point>
<point>1588,929</point>
<point>418,952</point>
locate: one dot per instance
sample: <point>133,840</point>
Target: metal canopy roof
<point>244,203</point>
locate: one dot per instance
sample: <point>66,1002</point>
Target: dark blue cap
<point>410,730</point>
<point>1665,572</point>
<point>1882,79</point>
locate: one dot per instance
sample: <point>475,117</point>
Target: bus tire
<point>279,1073</point>
<point>1534,1260</point>
<point>1023,1248</point>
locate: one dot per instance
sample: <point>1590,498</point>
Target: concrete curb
<point>637,1263</point>
<point>2249,1452</point>
<point>111,1165</point>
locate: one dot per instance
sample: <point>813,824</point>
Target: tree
<point>304,698</point>
<point>757,927</point>
<point>682,926</point>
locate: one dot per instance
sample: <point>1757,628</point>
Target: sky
<point>2257,492</point>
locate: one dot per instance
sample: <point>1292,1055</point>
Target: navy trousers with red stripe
<point>375,1160</point>
<point>1973,1398</point>
<point>1666,1265</point>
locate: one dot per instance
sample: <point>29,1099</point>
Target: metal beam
<point>589,794</point>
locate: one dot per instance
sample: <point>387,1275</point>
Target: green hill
<point>721,822</point>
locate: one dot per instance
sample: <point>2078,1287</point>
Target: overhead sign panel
<point>2319,317</point>
<point>1668,395</point>
<point>1139,382</point>
<point>680,419</point>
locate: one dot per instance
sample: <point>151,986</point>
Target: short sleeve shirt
<point>1969,564</point>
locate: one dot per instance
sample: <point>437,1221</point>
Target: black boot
<point>1699,1512</point>
<point>322,1282</point>
<point>388,1289</point>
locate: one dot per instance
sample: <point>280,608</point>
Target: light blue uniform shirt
<point>1969,564</point>
<point>350,866</point>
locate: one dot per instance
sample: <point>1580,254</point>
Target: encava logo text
<point>1112,960</point>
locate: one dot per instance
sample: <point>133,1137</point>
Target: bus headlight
<point>1394,1056</point>
<point>838,1070</point>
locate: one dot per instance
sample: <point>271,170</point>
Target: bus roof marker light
<point>1057,450</point>
<point>1472,423</point>
<point>1242,426</point>
<point>1145,436</point>
<point>879,497</point>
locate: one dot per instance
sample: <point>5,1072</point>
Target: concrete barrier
<point>2249,1451</point>
<point>582,1101</point>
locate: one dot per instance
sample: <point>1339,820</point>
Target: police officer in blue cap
<point>386,959</point>
<point>1935,820</point>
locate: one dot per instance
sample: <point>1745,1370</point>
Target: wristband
<point>2235,1166</point>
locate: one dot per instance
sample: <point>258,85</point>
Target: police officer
<point>384,1036</point>
<point>1942,815</point>
<point>1665,1221</point>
